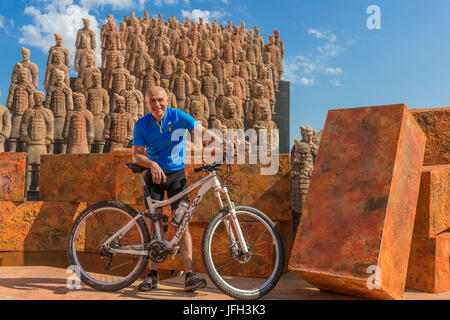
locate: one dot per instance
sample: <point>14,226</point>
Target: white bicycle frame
<point>205,184</point>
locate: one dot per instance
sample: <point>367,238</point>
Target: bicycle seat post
<point>146,192</point>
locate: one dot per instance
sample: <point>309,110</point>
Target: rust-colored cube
<point>435,123</point>
<point>12,176</point>
<point>429,268</point>
<point>433,206</point>
<point>36,226</point>
<point>355,233</point>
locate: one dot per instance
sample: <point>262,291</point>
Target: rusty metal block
<point>435,123</point>
<point>12,176</point>
<point>36,226</point>
<point>359,213</point>
<point>433,206</point>
<point>429,267</point>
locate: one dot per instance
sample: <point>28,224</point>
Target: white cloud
<point>2,21</point>
<point>335,82</point>
<point>114,4</point>
<point>334,70</point>
<point>62,17</point>
<point>207,15</point>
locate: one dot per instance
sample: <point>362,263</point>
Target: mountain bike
<point>111,244</point>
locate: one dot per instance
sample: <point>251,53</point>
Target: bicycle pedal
<point>176,251</point>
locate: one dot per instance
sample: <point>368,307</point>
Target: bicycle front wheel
<point>243,276</point>
<point>100,268</point>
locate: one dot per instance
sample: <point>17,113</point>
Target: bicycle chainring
<point>157,251</point>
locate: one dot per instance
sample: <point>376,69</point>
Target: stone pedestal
<point>12,176</point>
<point>355,233</point>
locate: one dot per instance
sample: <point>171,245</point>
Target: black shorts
<point>175,184</point>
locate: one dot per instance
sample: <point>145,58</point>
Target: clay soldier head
<point>181,66</point>
<point>262,72</point>
<point>25,54</point>
<point>96,80</point>
<point>165,83</point>
<point>196,86</point>
<point>307,133</point>
<point>86,23</point>
<point>259,90</point>
<point>120,61</point>
<point>58,40</point>
<point>146,15</point>
<point>38,98</point>
<point>229,87</point>
<point>90,61</point>
<point>208,69</point>
<point>59,76</point>
<point>267,57</point>
<point>229,110</point>
<point>131,81</point>
<point>276,33</point>
<point>236,70</point>
<point>266,113</point>
<point>120,104</point>
<point>57,58</point>
<point>79,101</point>
<point>22,76</point>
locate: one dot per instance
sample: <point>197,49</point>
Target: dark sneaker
<point>193,283</point>
<point>150,283</point>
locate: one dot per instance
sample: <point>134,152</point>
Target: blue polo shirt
<point>166,144</point>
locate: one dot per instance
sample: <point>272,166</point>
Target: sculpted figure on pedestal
<point>229,54</point>
<point>303,156</point>
<point>275,54</point>
<point>109,59</point>
<point>258,40</point>
<point>279,43</point>
<point>206,48</point>
<point>230,118</point>
<point>180,85</point>
<point>196,100</point>
<point>118,79</point>
<point>240,91</point>
<point>134,99</point>
<point>272,71</point>
<point>32,68</point>
<point>110,31</point>
<point>245,68</point>
<point>97,102</point>
<point>79,127</point>
<point>36,131</point>
<point>86,32</point>
<point>59,49</point>
<point>119,126</point>
<point>59,100</point>
<point>5,126</point>
<point>20,98</point>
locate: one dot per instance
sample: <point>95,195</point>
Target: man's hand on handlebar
<point>158,175</point>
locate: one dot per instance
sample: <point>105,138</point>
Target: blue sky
<point>331,58</point>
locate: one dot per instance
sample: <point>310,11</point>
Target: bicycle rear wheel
<point>102,269</point>
<point>238,275</point>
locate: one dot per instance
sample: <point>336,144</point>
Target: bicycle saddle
<point>135,167</point>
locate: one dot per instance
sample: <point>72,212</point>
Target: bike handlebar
<point>211,167</point>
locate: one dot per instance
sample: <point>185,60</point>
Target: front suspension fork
<point>233,217</point>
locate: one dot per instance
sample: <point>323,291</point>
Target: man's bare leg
<point>186,250</point>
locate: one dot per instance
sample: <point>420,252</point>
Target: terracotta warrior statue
<point>229,54</point>
<point>257,103</point>
<point>180,85</point>
<point>218,69</point>
<point>57,64</point>
<point>148,78</point>
<point>211,90</point>
<point>165,84</point>
<point>240,90</point>
<point>245,68</point>
<point>20,98</point>
<point>193,64</point>
<point>223,100</point>
<point>60,49</point>
<point>118,80</point>
<point>230,119</point>
<point>110,31</point>
<point>139,60</point>
<point>84,80</point>
<point>198,100</point>
<point>5,126</point>
<point>59,100</point>
<point>119,126</point>
<point>279,43</point>
<point>79,127</point>
<point>272,71</point>
<point>86,31</point>
<point>275,54</point>
<point>182,46</point>
<point>167,64</point>
<point>134,99</point>
<point>110,54</point>
<point>36,131</point>
<point>82,53</point>
<point>206,48</point>
<point>266,123</point>
<point>32,68</point>
<point>303,156</point>
<point>97,102</point>
<point>269,91</point>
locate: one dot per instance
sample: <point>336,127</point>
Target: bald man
<point>153,134</point>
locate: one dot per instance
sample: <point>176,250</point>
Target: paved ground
<point>48,283</point>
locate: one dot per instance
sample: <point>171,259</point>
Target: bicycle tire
<point>218,280</point>
<point>141,265</point>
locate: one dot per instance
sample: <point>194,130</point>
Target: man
<point>153,133</point>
